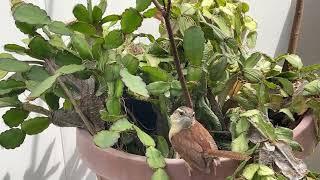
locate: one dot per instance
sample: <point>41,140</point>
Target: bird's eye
<point>193,114</point>
<point>180,113</point>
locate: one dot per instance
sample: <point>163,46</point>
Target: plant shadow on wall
<point>202,60</point>
<point>73,169</point>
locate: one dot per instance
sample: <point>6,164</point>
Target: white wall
<point>53,153</point>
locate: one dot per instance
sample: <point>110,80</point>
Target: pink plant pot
<point>111,164</point>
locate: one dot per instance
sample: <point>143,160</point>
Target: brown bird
<point>194,143</point>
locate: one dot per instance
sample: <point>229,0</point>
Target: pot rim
<point>306,122</point>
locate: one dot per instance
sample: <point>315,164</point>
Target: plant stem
<point>166,15</point>
<point>295,32</point>
<point>36,109</point>
<point>87,123</point>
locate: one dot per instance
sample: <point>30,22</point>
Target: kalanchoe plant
<point>123,92</point>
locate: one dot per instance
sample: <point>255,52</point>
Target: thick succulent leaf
<point>35,125</point>
<point>30,14</point>
<point>150,12</point>
<point>83,27</point>
<point>15,48</point>
<point>63,58</point>
<point>114,39</point>
<point>12,138</point>
<point>155,159</point>
<point>113,106</point>
<point>13,65</point>
<point>7,86</point>
<point>252,39</point>
<point>52,100</point>
<point>59,27</point>
<point>134,83</point>
<point>70,69</point>
<point>96,14</point>
<point>40,48</point>
<point>144,137</point>
<point>160,174</point>
<point>154,61</point>
<point>14,117</point>
<point>131,63</point>
<point>121,125</point>
<point>12,101</point>
<point>193,44</point>
<point>81,13</point>
<point>106,139</point>
<point>43,86</point>
<point>82,46</point>
<point>36,73</point>
<point>312,88</point>
<point>158,88</point>
<point>142,5</point>
<point>217,69</point>
<point>111,18</point>
<point>155,74</point>
<point>131,20</point>
<point>103,5</point>
<point>163,146</point>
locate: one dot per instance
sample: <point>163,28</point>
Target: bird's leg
<point>189,168</point>
<point>177,156</point>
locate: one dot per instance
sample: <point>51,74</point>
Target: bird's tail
<point>228,154</point>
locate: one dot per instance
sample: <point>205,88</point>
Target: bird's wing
<point>203,137</point>
<point>185,144</point>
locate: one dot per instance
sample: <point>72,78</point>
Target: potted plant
<point>120,93</point>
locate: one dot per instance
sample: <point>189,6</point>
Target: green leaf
<point>217,69</point>
<point>253,75</point>
<point>131,63</point>
<point>70,69</point>
<point>59,27</point>
<point>52,100</point>
<point>288,113</point>
<point>9,101</point>
<point>96,14</point>
<point>110,18</point>
<point>43,86</point>
<point>185,22</point>
<point>163,146</point>
<point>3,74</point>
<point>155,74</point>
<point>310,68</point>
<point>64,58</point>
<point>114,39</point>
<point>154,61</point>
<point>15,48</point>
<point>286,85</point>
<point>158,88</point>
<point>142,5</point>
<point>37,73</point>
<point>252,60</point>
<point>40,48</point>
<point>113,106</point>
<point>81,13</point>
<point>103,5</point>
<point>110,118</point>
<point>82,46</point>
<point>240,144</point>
<point>284,133</point>
<point>194,73</point>
<point>134,83</point>
<point>14,117</point>
<point>265,170</point>
<point>155,159</point>
<point>35,125</point>
<point>193,44</point>
<point>263,125</point>
<point>242,126</point>
<point>6,86</point>
<point>144,137</point>
<point>12,138</point>
<point>252,39</point>
<point>222,24</point>
<point>160,174</point>
<point>57,42</point>
<point>13,65</point>
<point>26,28</point>
<point>249,23</point>
<point>106,139</point>
<point>150,13</point>
<point>131,20</point>
<point>293,59</point>
<point>31,14</point>
<point>250,170</point>
<point>121,125</point>
<point>83,27</point>
<point>310,89</point>
<point>112,72</point>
